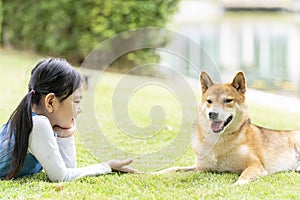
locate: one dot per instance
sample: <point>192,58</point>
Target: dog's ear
<point>206,81</point>
<point>239,82</point>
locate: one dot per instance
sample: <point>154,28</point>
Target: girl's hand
<point>121,166</point>
<point>64,132</point>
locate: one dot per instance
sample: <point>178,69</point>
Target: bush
<point>73,28</point>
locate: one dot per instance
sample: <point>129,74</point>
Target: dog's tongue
<point>216,126</point>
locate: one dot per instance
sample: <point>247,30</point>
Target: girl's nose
<point>79,110</point>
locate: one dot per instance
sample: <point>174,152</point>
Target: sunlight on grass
<point>138,107</point>
<point>143,121</point>
<point>274,118</point>
<point>14,72</point>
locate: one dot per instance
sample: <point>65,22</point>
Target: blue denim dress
<point>31,165</point>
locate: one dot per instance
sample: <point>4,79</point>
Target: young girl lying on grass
<point>39,133</point>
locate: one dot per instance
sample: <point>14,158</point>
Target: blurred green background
<point>260,37</point>
<point>71,29</point>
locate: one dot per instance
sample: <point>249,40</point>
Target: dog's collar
<point>243,126</point>
<point>248,121</point>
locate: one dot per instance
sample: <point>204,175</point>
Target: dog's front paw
<point>241,182</point>
<point>168,170</point>
<point>298,168</point>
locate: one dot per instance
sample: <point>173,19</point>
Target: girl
<point>39,133</point>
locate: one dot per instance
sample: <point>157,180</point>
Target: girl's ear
<point>50,102</point>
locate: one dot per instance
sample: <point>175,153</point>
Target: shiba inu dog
<point>224,139</point>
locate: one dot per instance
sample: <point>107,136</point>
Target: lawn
<point>101,136</point>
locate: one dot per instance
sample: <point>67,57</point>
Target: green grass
<point>14,74</point>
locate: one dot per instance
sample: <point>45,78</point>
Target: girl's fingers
<point>128,169</point>
<point>126,162</point>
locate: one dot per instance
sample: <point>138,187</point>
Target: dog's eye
<point>209,101</point>
<point>228,100</point>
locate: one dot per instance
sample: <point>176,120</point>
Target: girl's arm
<point>67,150</point>
<point>66,145</point>
<point>43,145</point>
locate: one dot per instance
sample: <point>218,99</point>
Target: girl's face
<point>66,111</point>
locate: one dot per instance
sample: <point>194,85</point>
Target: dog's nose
<point>213,115</point>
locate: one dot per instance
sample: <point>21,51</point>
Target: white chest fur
<point>212,155</point>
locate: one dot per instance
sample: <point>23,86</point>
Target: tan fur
<point>240,147</point>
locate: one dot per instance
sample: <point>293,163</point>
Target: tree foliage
<point>73,28</point>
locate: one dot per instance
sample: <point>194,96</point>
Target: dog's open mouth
<point>218,126</point>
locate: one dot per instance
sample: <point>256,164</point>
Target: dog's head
<point>223,108</point>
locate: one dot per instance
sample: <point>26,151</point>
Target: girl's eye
<point>228,100</point>
<point>209,101</point>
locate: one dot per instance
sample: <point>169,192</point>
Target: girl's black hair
<point>53,75</point>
